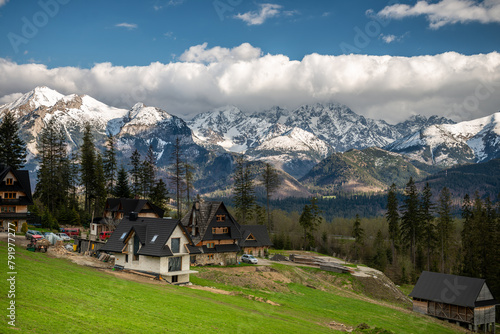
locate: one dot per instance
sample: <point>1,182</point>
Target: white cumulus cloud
<point>129,26</point>
<point>266,11</point>
<point>447,11</point>
<point>383,87</point>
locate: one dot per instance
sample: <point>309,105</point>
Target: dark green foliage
<point>259,216</point>
<point>243,191</point>
<point>177,174</point>
<point>135,172</point>
<point>110,165</point>
<point>444,227</point>
<point>12,147</point>
<point>122,189</point>
<point>410,219</point>
<point>87,166</point>
<point>159,195</point>
<point>429,237</point>
<point>100,193</point>
<point>309,221</point>
<point>271,182</point>
<point>189,179</point>
<point>392,216</point>
<point>357,231</point>
<point>148,173</point>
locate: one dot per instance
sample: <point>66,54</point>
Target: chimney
<point>132,216</point>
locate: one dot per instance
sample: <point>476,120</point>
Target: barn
<point>465,300</point>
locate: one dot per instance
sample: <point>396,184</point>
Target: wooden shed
<point>465,300</point>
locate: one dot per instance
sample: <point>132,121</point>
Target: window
<point>154,238</point>
<point>126,258</point>
<point>251,237</point>
<point>221,218</point>
<point>210,256</point>
<point>174,264</point>
<point>8,209</point>
<point>9,182</point>
<point>10,195</point>
<point>220,230</point>
<point>175,245</point>
<point>175,279</point>
<point>123,235</point>
<point>210,245</point>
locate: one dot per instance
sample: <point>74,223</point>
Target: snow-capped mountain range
<point>293,140</point>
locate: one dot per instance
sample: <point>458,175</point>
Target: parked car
<point>30,233</point>
<point>71,231</point>
<point>63,236</point>
<point>247,258</point>
<point>104,235</point>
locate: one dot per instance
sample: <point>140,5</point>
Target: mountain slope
<point>446,145</point>
<point>371,169</point>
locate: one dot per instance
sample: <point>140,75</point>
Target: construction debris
<point>322,263</point>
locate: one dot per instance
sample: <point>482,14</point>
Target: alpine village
<point>102,218</point>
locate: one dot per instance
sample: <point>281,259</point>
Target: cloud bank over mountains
<point>383,87</point>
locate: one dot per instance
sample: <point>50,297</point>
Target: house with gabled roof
<point>255,240</point>
<point>15,197</point>
<point>153,245</point>
<point>117,208</point>
<point>219,236</point>
<point>465,300</point>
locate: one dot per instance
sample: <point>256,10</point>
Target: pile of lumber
<point>104,257</point>
<point>322,263</point>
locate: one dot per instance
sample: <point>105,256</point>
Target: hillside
<point>467,179</point>
<point>56,296</point>
<point>371,169</point>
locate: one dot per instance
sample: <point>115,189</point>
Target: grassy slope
<point>56,296</point>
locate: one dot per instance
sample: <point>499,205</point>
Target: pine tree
<point>243,191</point>
<point>358,234</point>
<point>444,226</point>
<point>428,227</point>
<point>99,186</point>
<point>470,241</point>
<point>12,147</point>
<point>109,161</point>
<point>122,189</point>
<point>392,217</point>
<point>135,172</point>
<point>259,215</point>
<point>87,166</point>
<point>177,174</point>
<point>148,173</point>
<point>271,181</point>
<point>410,219</point>
<point>53,186</point>
<point>159,195</point>
<point>188,178</point>
<point>309,221</point>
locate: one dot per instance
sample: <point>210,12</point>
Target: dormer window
<point>10,195</point>
<point>220,230</point>
<point>9,181</point>
<point>221,218</point>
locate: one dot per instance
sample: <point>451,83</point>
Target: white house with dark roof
<point>153,245</point>
<point>465,300</point>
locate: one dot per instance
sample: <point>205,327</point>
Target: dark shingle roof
<point>449,289</point>
<point>22,184</point>
<point>260,234</point>
<point>128,205</point>
<point>145,229</point>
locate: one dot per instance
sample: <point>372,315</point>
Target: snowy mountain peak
<point>40,96</point>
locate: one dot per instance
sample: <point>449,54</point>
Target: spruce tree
<point>99,186</point>
<point>87,166</point>
<point>392,217</point>
<point>122,189</point>
<point>271,182</point>
<point>135,172</point>
<point>358,234</point>
<point>427,208</point>
<point>148,173</point>
<point>159,195</point>
<point>444,227</point>
<point>410,219</point>
<point>188,178</point>
<point>109,161</point>
<point>177,174</point>
<point>12,147</point>
<point>243,191</point>
<point>309,221</point>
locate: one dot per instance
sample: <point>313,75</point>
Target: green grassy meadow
<point>57,296</point>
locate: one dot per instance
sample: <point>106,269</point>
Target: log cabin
<point>465,300</point>
<point>15,197</point>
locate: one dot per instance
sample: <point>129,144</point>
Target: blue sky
<point>79,37</point>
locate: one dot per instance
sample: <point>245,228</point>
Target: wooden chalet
<point>15,196</point>
<point>117,208</point>
<point>464,300</point>
<point>157,246</point>
<point>219,236</point>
